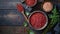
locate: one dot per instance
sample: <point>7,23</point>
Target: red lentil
<point>37,20</point>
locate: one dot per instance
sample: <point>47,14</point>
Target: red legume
<point>37,20</point>
<point>20,7</point>
<point>30,2</point>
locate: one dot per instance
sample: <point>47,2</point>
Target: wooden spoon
<point>20,8</point>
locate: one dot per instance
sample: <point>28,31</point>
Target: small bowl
<point>31,5</point>
<point>45,23</point>
<point>47,6</point>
